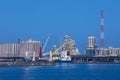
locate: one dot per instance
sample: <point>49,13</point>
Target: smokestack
<point>102,32</point>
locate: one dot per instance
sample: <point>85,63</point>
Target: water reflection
<point>65,66</point>
<point>64,71</point>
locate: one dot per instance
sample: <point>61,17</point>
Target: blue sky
<point>79,18</point>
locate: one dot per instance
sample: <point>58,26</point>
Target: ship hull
<point>63,61</point>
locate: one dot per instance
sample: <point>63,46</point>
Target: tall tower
<point>92,42</point>
<point>102,32</point>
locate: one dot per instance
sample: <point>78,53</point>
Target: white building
<point>92,41</point>
<point>15,49</point>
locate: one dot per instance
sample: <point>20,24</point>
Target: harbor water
<point>62,71</point>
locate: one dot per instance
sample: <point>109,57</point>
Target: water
<point>62,72</point>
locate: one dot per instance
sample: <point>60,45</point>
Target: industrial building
<point>111,51</point>
<point>69,45</point>
<point>19,49</point>
<point>65,50</point>
<point>94,51</point>
<point>92,41</point>
<point>90,50</point>
<point>8,50</point>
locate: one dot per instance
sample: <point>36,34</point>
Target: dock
<point>94,59</point>
<point>20,61</point>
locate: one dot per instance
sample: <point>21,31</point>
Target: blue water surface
<point>64,71</point>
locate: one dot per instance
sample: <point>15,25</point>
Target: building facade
<point>91,49</point>
<point>19,49</point>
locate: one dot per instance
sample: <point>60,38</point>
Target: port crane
<point>46,43</point>
<point>41,50</point>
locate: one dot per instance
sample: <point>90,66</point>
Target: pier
<point>20,61</point>
<point>94,59</point>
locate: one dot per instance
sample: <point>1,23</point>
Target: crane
<point>45,43</point>
<point>41,49</point>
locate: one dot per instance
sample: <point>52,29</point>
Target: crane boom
<point>45,43</point>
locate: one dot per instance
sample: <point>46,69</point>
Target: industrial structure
<point>69,45</point>
<point>91,49</point>
<point>20,49</point>
<point>66,49</point>
<point>102,33</point>
<point>8,50</point>
<point>92,41</point>
<point>111,51</point>
<point>54,50</point>
<point>30,46</point>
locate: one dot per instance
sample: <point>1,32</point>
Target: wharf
<point>95,59</point>
<point>20,61</point>
<point>7,64</point>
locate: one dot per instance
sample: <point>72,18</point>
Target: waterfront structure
<point>112,51</point>
<point>9,50</point>
<point>90,50</point>
<point>68,48</point>
<point>92,41</point>
<point>19,49</point>
<point>54,53</point>
<point>30,46</point>
<point>69,45</point>
<point>108,52</point>
<point>54,50</point>
<point>94,59</point>
<point>65,50</point>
